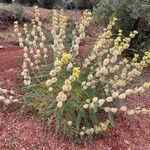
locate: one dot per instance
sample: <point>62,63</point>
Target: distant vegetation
<point>66,4</point>
<point>132,15</point>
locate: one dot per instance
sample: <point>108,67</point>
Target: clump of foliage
<point>133,15</point>
<point>79,4</point>
<point>79,98</point>
<point>13,12</point>
<point>19,12</point>
<point>69,29</point>
<point>49,3</point>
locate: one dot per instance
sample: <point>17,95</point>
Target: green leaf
<point>79,118</point>
<point>111,119</point>
<point>51,107</point>
<point>93,117</point>
<point>58,119</point>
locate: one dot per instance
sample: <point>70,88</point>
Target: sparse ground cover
<point>26,132</point>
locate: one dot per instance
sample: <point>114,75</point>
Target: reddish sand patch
<point>10,63</point>
<point>20,133</point>
<point>10,56</point>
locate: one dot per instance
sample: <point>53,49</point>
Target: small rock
<point>127,142</point>
<point>1,47</point>
<point>11,70</point>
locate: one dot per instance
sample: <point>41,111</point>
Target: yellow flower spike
<point>146,85</point>
<point>146,53</point>
<point>65,58</point>
<point>104,125</point>
<point>76,72</point>
<point>115,19</point>
<point>146,57</point>
<point>72,78</point>
<point>136,55</point>
<point>134,59</point>
<point>120,31</point>
<point>143,63</point>
<point>125,60</point>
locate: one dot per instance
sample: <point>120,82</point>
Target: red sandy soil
<point>18,132</point>
<point>10,62</point>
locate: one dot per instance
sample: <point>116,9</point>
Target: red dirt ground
<point>10,62</point>
<point>18,132</point>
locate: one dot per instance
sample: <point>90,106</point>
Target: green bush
<point>94,2</point>
<point>132,14</point>
<point>19,12</point>
<point>78,4</point>
<point>9,13</point>
<point>49,3</point>
<point>26,2</point>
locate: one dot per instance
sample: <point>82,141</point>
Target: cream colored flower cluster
<point>100,44</point>
<point>105,67</point>
<point>79,31</point>
<point>65,58</point>
<point>26,59</point>
<point>32,42</point>
<point>61,57</point>
<point>101,127</point>
<point>7,96</point>
<point>62,97</point>
<point>58,31</point>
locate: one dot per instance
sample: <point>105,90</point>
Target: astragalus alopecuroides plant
<point>7,96</point>
<point>82,97</point>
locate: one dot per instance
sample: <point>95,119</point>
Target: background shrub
<point>66,4</point>
<point>132,14</point>
<point>19,12</point>
<point>9,13</point>
<point>49,3</point>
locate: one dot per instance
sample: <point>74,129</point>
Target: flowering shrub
<point>79,97</point>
